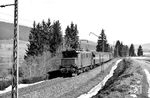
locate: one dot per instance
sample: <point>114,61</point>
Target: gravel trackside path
<point>65,87</point>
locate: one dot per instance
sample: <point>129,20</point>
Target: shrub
<point>36,66</point>
<point>4,84</point>
<point>33,79</point>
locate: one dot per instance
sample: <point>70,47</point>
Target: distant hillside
<point>6,33</point>
<point>8,43</point>
<point>146,47</point>
<point>7,30</point>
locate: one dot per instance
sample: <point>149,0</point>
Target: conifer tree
<point>126,50</point>
<point>44,37</point>
<point>33,42</point>
<point>71,37</point>
<point>116,50</point>
<point>140,51</point>
<point>99,45</point>
<point>102,45</point>
<point>39,40</point>
<point>120,49</point>
<point>131,50</point>
<point>67,37</point>
<point>56,40</point>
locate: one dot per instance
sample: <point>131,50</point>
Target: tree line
<point>119,50</point>
<point>102,44</point>
<point>47,36</point>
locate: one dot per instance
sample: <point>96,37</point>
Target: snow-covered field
<point>95,90</point>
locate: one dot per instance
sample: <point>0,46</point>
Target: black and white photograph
<point>74,48</point>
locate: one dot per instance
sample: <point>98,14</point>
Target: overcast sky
<point>125,20</point>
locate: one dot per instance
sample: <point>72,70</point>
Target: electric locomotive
<point>75,62</point>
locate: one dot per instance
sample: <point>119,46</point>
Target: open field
<point>6,31</point>
<point>6,53</point>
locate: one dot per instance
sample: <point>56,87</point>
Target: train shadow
<point>58,73</point>
<point>54,74</point>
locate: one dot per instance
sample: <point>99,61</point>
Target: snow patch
<point>20,86</point>
<point>133,95</point>
<point>95,90</point>
<point>146,58</point>
<point>148,80</point>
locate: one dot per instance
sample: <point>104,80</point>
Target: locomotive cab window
<point>69,54</point>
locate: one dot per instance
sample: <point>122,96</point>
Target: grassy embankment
<point>127,80</point>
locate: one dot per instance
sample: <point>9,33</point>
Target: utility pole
<point>14,91</point>
<point>15,52</point>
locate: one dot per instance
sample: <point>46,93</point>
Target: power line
<point>6,5</point>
